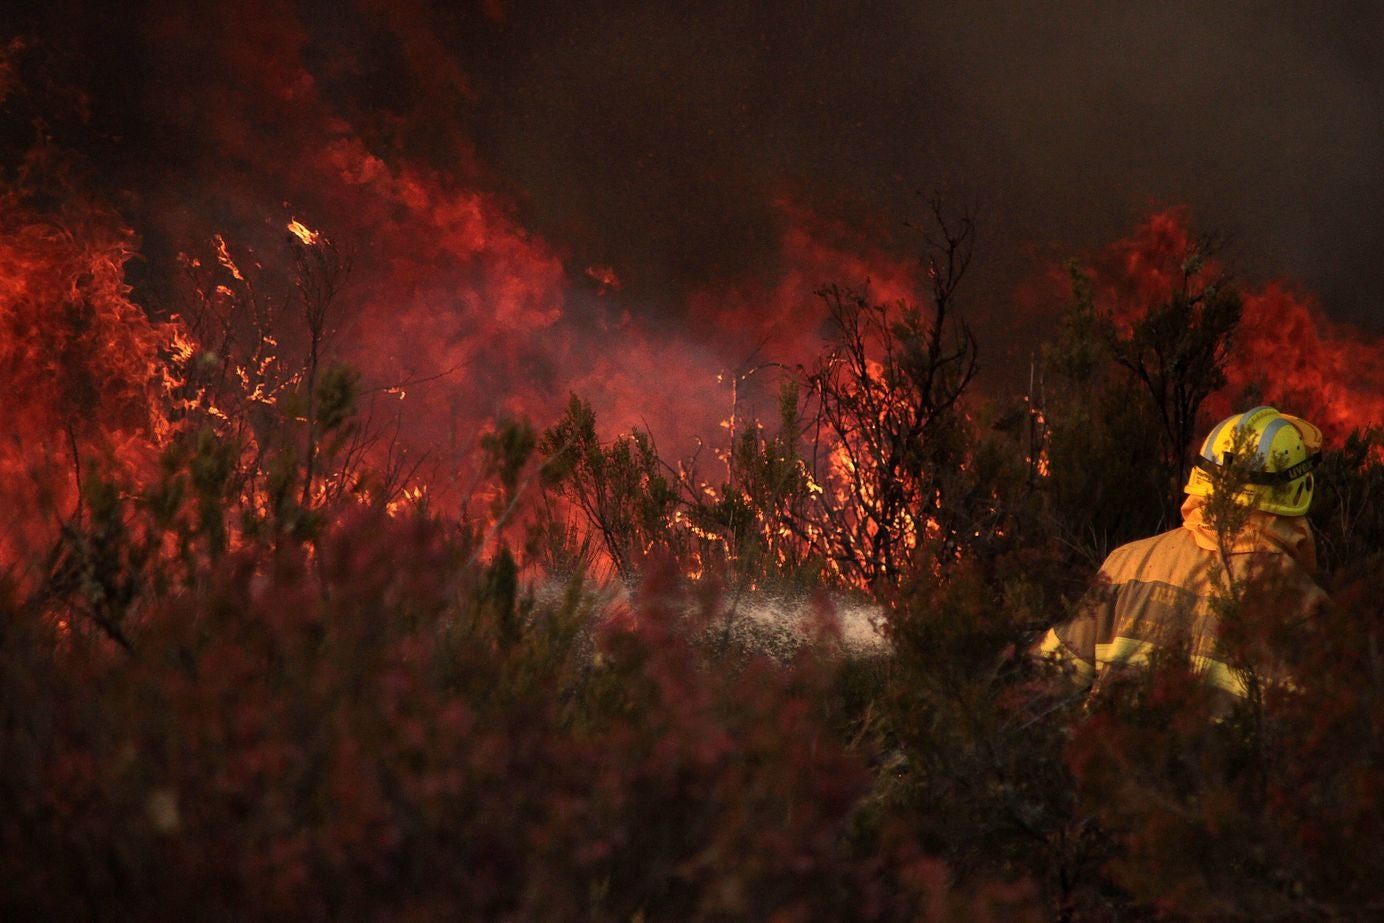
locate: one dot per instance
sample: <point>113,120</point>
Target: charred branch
<point>886,396</point>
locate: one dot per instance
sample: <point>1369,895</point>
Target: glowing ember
<point>223,255</point>
<point>301,231</point>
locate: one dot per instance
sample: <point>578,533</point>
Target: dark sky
<point>654,137</point>
<point>656,128</point>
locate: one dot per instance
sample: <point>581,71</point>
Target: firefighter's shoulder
<point>1146,557</point>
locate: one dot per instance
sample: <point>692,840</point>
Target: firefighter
<point>1164,589</point>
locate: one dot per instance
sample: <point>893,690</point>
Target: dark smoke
<point>655,138</point>
<point>656,133</point>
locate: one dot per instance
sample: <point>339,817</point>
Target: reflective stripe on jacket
<point>1162,590</point>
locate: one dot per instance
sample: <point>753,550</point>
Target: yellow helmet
<point>1286,450</point>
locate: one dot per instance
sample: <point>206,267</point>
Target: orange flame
<point>305,234</point>
<point>80,366</point>
<point>1285,347</point>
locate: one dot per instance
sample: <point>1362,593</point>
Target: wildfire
<point>223,256</point>
<point>309,237</point>
<point>456,282</point>
<point>409,499</point>
<point>1284,347</point>
<point>80,365</point>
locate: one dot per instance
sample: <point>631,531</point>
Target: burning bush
<point>79,362</point>
<point>241,677</point>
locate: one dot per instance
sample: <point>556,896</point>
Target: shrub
<point>380,729</point>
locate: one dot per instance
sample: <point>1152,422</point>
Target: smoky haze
<point>656,138</point>
<point>657,133</point>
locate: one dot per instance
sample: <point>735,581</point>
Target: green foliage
<point>620,487</point>
<point>1177,350</point>
<point>1080,351</point>
<point>507,450</point>
<point>752,528</point>
<point>1348,502</point>
<point>338,389</point>
<point>201,467</point>
<point>1120,428</point>
<point>382,729</point>
<point>99,568</point>
<point>972,740</point>
<point>244,688</point>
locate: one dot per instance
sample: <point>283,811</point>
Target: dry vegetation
<point>246,671</point>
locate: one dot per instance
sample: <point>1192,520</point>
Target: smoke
<point>1284,351</point>
<point>659,131</point>
<point>720,160</point>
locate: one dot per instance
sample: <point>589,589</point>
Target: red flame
<point>683,381</point>
<point>453,304</point>
<point>80,366</point>
<point>1285,347</point>
<point>1332,373</point>
<point>783,317</point>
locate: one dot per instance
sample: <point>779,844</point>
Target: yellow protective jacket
<point>1161,589</point>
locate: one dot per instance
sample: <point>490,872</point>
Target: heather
<point>256,663</point>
